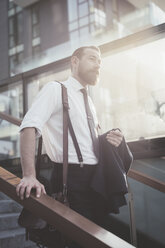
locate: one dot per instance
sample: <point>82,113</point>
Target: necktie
<point>91,124</point>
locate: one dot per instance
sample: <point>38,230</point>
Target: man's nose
<point>97,65</point>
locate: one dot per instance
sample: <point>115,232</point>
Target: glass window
<point>81,1</point>
<point>36,50</point>
<point>12,42</point>
<point>35,21</point>
<point>74,35</point>
<point>15,39</point>
<point>35,14</point>
<point>19,28</point>
<point>36,31</point>
<point>84,21</point>
<point>83,9</point>
<point>73,25</point>
<point>84,31</point>
<point>11,4</point>
<point>20,57</point>
<point>13,64</point>
<point>134,99</point>
<point>72,10</point>
<point>149,220</point>
<point>11,25</point>
<point>18,9</point>
<point>87,13</point>
<point>10,103</point>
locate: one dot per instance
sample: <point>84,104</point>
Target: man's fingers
<point>116,133</point>
<point>28,191</point>
<point>24,188</point>
<point>38,191</point>
<point>114,140</point>
<point>22,191</point>
<point>114,143</point>
<point>43,191</point>
<point>18,189</point>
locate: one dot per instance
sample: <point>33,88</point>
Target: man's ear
<point>74,61</point>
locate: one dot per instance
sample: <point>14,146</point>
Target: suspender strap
<point>72,133</point>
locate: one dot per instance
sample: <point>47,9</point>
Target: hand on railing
<point>28,183</point>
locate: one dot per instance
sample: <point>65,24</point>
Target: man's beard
<point>89,77</point>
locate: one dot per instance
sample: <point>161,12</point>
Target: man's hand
<point>28,183</point>
<point>115,137</point>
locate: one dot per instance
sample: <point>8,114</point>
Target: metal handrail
<point>138,176</point>
<point>10,119</point>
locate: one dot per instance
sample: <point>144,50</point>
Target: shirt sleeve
<point>47,102</point>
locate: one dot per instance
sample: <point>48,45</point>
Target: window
<point>86,17</point>
<point>15,32</point>
<point>35,29</point>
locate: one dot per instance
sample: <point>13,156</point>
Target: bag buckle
<point>64,193</point>
<point>81,164</point>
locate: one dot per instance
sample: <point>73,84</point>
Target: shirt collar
<point>74,83</point>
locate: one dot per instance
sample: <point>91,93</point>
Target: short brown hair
<point>79,52</point>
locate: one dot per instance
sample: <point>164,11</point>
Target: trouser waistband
<point>45,159</point>
<point>76,165</point>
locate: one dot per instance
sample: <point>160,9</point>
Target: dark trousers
<point>81,197</point>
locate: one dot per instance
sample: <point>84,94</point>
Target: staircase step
<point>8,221</point>
<point>15,238</point>
<point>8,206</point>
<point>3,196</point>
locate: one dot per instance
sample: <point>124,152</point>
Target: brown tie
<point>91,123</point>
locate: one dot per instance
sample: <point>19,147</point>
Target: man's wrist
<point>32,175</point>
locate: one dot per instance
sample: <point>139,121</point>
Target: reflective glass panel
<point>148,206</point>
<point>72,10</point>
<point>83,9</point>
<point>19,28</point>
<point>36,83</point>
<point>131,93</point>
<point>10,103</point>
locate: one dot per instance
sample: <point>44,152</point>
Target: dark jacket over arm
<point>109,180</point>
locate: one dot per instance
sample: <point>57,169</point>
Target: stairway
<point>11,234</point>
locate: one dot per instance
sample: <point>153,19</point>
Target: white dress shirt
<point>46,115</point>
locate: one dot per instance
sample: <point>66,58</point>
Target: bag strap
<point>66,124</point>
<point>65,141</point>
<point>38,161</point>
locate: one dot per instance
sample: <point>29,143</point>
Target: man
<point>45,117</point>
